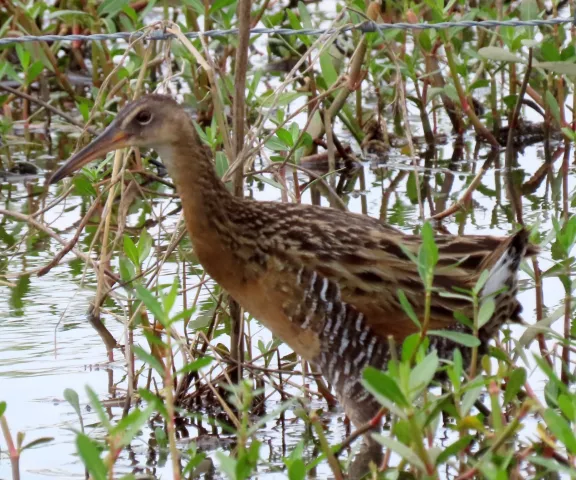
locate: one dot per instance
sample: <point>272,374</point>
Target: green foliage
<point>89,452</point>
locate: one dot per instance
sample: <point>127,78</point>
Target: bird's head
<point>151,121</point>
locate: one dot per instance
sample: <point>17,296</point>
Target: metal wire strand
<point>365,27</point>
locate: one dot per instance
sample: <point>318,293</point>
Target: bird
<point>324,281</point>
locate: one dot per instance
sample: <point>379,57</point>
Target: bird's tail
<point>503,265</point>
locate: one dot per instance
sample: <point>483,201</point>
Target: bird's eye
<point>144,117</point>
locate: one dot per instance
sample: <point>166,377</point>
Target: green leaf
<point>553,105</point>
<point>192,463</point>
<point>84,106</point>
<point>221,163</point>
<point>182,315</point>
<point>2,408</point>
<point>154,400</point>
<point>148,359</point>
<point>409,344</point>
<point>131,251</point>
<point>296,452</point>
<point>401,450</point>
<point>129,426</point>
<point>516,381</point>
<point>151,302</point>
<point>34,71</point>
<point>564,68</point>
<point>97,406</point>
<point>407,307</point>
<point>305,15</point>
<point>499,54</point>
<point>72,398</point>
<point>484,276</point>
<point>549,372</point>
<point>23,56</point>
<point>571,134</point>
<point>450,91</point>
<point>90,455</point>
<point>567,406</point>
<point>425,41</point>
<point>293,19</point>
<point>282,100</point>
<point>427,255</point>
<point>6,70</point>
<point>83,186</point>
<point>552,465</point>
<point>169,299</point>
<point>297,470</point>
<point>561,429</point>
<point>276,144</point>
<point>487,308</point>
<point>459,337</point>
<point>285,136</point>
<point>453,449</point>
<point>479,84</point>
<point>111,7</point>
<point>196,365</point>
<point>200,322</point>
<point>434,92</point>
<point>202,134</point>
<point>412,188</point>
<point>528,10</point>
<point>459,296</point>
<point>253,86</point>
<point>423,373</point>
<point>227,465</point>
<point>455,370</point>
<point>549,50</point>
<point>327,66</point>
<point>68,15</point>
<point>36,442</point>
<point>144,245</point>
<point>294,132</point>
<point>196,5</point>
<point>469,399</point>
<point>383,385</point>
<point>530,42</point>
<point>127,271</point>
<point>220,4</point>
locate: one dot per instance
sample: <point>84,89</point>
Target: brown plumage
<point>322,280</point>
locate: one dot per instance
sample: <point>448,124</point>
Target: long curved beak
<point>110,139</point>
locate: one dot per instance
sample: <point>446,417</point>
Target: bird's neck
<point>208,206</point>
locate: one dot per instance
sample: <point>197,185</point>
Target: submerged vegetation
<point>464,130</point>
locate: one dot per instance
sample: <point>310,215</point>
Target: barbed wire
<point>365,27</point>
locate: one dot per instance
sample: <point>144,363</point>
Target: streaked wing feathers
<point>366,261</point>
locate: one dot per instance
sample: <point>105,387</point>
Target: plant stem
<point>468,110</point>
<point>417,437</point>
<point>325,446</point>
<point>12,450</point>
<point>168,385</point>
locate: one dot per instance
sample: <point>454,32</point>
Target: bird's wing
<point>366,260</point>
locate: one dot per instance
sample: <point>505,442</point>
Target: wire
<point>366,27</point>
